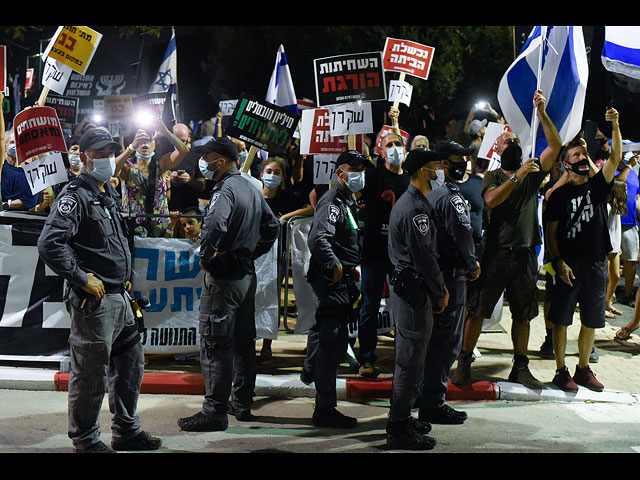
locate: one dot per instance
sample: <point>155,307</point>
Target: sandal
<point>624,333</point>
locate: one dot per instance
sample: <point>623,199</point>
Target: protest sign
<point>73,47</point>
<point>55,75</point>
<point>37,131</point>
<point>262,125</point>
<point>384,131</point>
<point>65,107</point>
<point>45,172</point>
<point>408,57</point>
<point>400,92</point>
<point>488,148</point>
<point>350,119</point>
<point>157,104</point>
<point>349,78</point>
<point>324,169</point>
<point>118,107</point>
<point>227,107</point>
<point>315,137</point>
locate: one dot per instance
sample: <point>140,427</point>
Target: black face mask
<point>581,167</point>
<point>457,170</point>
<point>511,158</point>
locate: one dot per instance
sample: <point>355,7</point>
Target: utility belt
<point>232,265</point>
<point>349,281</point>
<point>410,286</point>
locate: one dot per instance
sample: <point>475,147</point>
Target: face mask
<point>204,169</point>
<point>457,170</point>
<point>511,158</point>
<point>11,150</point>
<point>74,160</point>
<point>395,155</point>
<point>355,181</point>
<point>145,157</point>
<point>581,167</point>
<point>439,176</point>
<point>271,180</point>
<point>242,157</point>
<point>103,168</point>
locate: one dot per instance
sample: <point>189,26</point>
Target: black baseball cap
<point>95,139</point>
<point>223,146</point>
<point>418,157</point>
<point>352,158</point>
<point>452,148</point>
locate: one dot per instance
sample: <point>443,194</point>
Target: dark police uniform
<point>85,233</point>
<point>238,227</point>
<point>456,248</point>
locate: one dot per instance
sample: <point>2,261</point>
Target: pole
<point>534,119</point>
<point>246,166</point>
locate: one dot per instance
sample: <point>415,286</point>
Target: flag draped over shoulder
<point>168,71</point>
<point>563,72</point>
<point>281,91</point>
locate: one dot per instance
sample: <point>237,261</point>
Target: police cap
<point>95,139</point>
<point>223,146</point>
<point>418,157</point>
<point>452,148</point>
<point>352,158</point>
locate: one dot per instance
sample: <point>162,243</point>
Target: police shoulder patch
<point>421,222</point>
<point>67,204</point>
<point>334,213</point>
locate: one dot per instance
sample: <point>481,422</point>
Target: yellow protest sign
<point>74,47</point>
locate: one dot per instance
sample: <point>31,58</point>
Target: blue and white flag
<point>564,72</point>
<point>621,51</point>
<point>168,71</point>
<point>281,91</point>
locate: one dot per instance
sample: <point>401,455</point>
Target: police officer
<point>335,253</point>
<point>457,261</point>
<point>84,241</point>
<point>419,282</point>
<point>238,227</point>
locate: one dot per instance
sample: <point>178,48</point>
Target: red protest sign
<point>407,57</point>
<point>384,131</point>
<point>315,135</point>
<point>37,131</point>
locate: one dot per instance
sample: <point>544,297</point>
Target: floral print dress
<point>134,199</point>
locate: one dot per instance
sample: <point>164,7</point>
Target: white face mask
<point>395,155</point>
<point>355,181</point>
<point>74,160</point>
<point>440,178</point>
<point>103,168</point>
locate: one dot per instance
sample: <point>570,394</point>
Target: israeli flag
<point>554,60</point>
<point>168,71</point>
<point>281,91</point>
<point>621,51</point>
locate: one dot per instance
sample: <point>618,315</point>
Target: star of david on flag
<point>168,69</point>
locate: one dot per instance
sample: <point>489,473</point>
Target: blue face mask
<point>145,157</point>
<point>103,168</point>
<point>204,169</point>
<point>271,180</point>
<point>355,181</point>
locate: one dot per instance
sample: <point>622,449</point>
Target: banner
<point>73,47</point>
<point>349,78</point>
<point>37,131</point>
<point>315,135</point>
<point>407,57</point>
<point>262,124</point>
<point>65,107</point>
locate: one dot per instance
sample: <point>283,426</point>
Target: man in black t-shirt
<point>579,242</point>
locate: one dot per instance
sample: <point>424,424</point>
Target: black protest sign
<point>262,124</point>
<point>65,107</point>
<point>349,78</point>
<point>159,104</point>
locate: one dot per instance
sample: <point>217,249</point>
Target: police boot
<point>403,435</point>
<point>462,375</point>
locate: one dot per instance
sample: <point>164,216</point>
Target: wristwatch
<point>513,178</point>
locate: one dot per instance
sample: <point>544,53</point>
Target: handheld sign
<point>316,137</point>
<point>73,47</point>
<point>45,172</point>
<point>37,131</point>
<point>407,57</point>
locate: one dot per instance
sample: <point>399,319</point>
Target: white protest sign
<point>488,148</point>
<point>227,107</point>
<point>45,172</point>
<point>350,119</point>
<point>400,91</point>
<point>55,75</point>
<point>324,169</point>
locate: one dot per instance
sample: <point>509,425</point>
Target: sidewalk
<point>618,369</point>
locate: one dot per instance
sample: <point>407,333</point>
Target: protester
<point>419,282</point>
<point>191,224</point>
<point>84,241</point>
<point>146,179</point>
<point>419,141</point>
<point>579,243</point>
<point>238,228</point>
<point>509,260</point>
<point>383,186</point>
<point>335,254</point>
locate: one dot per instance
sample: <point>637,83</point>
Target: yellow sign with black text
<point>74,47</point>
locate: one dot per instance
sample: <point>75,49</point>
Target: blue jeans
<point>372,283</point>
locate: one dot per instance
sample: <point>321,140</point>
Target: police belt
<point>233,265</point>
<point>108,289</point>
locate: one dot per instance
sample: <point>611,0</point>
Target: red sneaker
<point>563,380</point>
<point>586,378</point>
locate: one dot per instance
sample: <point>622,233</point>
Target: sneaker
<point>546,349</point>
<point>563,380</point>
<point>594,357</point>
<point>98,447</point>
<point>368,370</point>
<point>462,374</point>
<point>142,441</point>
<point>332,418</point>
<point>400,436</point>
<point>586,378</point>
<point>445,415</point>
<point>520,374</point>
<point>306,377</point>
<point>242,413</point>
<point>201,423</point>
<point>420,426</point>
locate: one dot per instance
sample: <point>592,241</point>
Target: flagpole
<point>534,120</point>
<point>178,116</point>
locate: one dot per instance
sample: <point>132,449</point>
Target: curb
<point>290,386</point>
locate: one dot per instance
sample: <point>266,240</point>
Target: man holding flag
<point>511,192</point>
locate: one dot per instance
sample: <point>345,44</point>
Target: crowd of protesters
<point>164,192</point>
